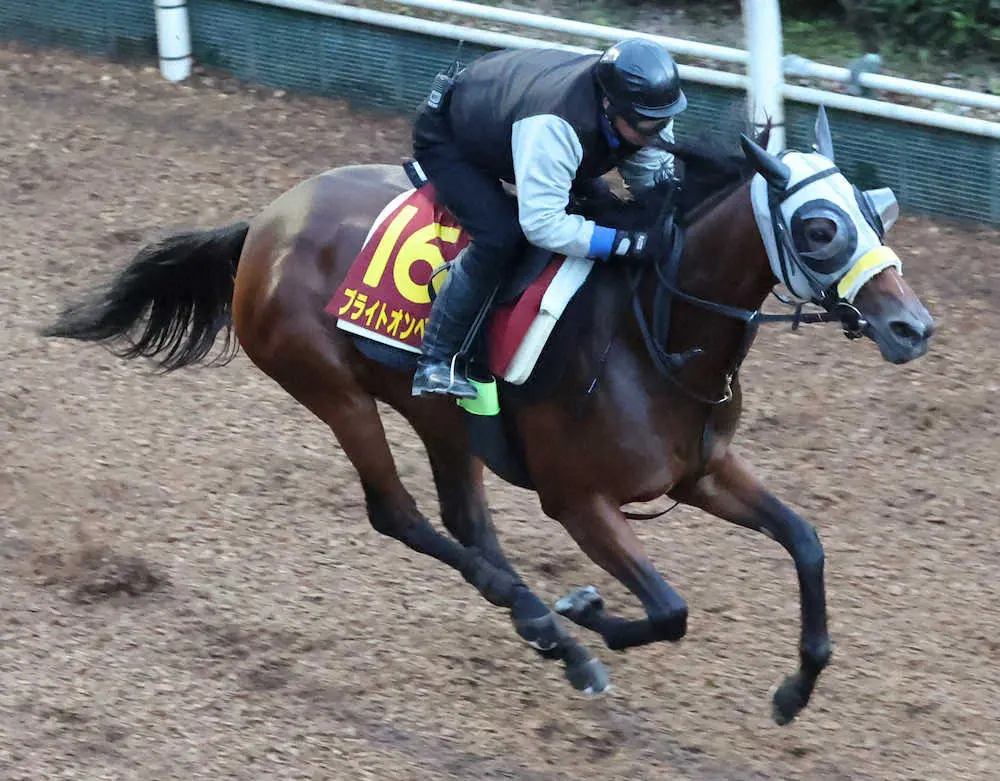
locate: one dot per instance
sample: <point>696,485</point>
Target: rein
<point>656,337</point>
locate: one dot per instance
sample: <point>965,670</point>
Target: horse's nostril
<point>908,331</point>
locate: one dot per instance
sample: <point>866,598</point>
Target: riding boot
<point>455,308</point>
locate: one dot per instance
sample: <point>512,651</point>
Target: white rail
<point>571,27</point>
<point>793,65</point>
<point>456,32</point>
<point>414,24</point>
<point>883,108</point>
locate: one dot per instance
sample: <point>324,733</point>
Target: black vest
<point>500,88</point>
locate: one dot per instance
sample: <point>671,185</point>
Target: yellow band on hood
<point>866,267</point>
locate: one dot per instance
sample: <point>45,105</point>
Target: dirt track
<point>282,638</point>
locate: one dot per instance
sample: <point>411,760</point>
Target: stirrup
<point>427,379</point>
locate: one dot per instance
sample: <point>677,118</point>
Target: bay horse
<point>667,340</point>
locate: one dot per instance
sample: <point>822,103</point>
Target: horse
<point>650,396</point>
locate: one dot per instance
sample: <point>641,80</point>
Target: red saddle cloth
<point>385,297</point>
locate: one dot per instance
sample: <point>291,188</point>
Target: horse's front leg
<point>604,534</point>
<point>728,490</point>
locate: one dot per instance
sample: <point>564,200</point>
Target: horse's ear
<point>769,166</point>
<point>764,137</point>
<point>824,139</point>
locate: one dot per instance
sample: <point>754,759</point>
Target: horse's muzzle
<point>904,336</point>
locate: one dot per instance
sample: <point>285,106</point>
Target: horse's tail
<point>170,302</point>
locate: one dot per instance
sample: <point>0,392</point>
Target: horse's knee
<point>811,550</point>
<point>810,538</point>
<point>805,545</point>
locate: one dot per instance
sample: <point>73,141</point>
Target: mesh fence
<point>931,170</point>
<point>120,29</point>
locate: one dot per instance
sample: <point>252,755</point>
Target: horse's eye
<point>820,231</point>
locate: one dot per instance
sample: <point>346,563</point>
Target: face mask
<point>845,250</point>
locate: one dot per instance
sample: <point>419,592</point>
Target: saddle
<point>520,343</point>
<point>417,237</point>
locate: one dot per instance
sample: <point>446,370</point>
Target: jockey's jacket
<point>535,118</point>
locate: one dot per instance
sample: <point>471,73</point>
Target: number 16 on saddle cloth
<point>385,294</point>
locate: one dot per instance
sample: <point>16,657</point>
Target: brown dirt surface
<point>191,589</point>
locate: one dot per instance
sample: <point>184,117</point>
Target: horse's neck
<point>724,258</point>
<point>724,261</point>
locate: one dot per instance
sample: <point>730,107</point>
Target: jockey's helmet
<point>640,80</point>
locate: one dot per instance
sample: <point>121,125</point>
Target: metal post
<point>762,21</point>
<point>173,39</point>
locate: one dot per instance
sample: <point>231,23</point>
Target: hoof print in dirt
<point>97,574</point>
<point>108,574</point>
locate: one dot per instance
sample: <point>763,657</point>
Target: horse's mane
<point>708,172</point>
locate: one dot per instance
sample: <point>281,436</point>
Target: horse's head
<point>824,238</point>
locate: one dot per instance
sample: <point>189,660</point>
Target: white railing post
<point>762,22</point>
<point>173,39</point>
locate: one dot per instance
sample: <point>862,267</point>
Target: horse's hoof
<point>788,699</point>
<point>579,603</point>
<point>589,677</point>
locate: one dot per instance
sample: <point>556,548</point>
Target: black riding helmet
<point>640,80</point>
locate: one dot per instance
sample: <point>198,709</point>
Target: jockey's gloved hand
<point>632,245</point>
<point>610,244</point>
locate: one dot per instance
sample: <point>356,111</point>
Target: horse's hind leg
<point>465,514</point>
<point>731,492</point>
<point>353,416</point>
<point>315,374</point>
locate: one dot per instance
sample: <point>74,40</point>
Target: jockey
<point>552,122</point>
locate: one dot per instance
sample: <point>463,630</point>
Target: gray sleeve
<point>649,166</point>
<point>547,154</point>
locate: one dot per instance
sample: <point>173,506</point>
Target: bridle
<point>666,269</point>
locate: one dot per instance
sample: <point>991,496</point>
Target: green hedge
<point>954,26</point>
